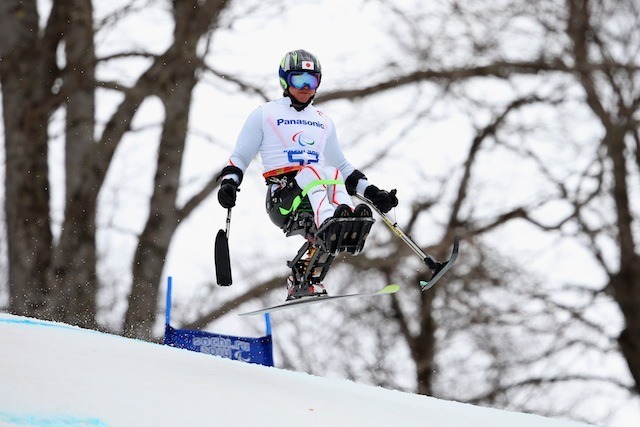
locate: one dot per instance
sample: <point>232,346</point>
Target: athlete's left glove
<point>383,200</point>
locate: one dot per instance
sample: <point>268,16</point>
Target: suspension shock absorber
<point>308,268</point>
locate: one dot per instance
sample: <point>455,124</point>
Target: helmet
<point>298,61</point>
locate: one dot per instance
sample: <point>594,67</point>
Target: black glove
<point>383,200</point>
<point>227,193</point>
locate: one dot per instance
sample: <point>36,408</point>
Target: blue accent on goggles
<point>300,80</point>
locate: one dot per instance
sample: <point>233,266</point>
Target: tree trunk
<point>424,348</point>
<point>26,73</point>
<point>73,271</point>
<point>179,78</point>
<point>163,216</point>
<point>626,283</point>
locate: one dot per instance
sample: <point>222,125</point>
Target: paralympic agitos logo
<point>300,139</point>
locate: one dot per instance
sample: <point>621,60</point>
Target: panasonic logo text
<point>300,122</point>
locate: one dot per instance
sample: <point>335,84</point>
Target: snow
<point>55,375</point>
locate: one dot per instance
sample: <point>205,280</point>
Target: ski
<point>387,290</point>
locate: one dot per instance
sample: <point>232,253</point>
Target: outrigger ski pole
<point>221,254</point>
<point>438,268</point>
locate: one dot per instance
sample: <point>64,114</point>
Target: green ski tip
<point>423,283</point>
<point>391,289</point>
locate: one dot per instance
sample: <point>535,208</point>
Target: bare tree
<point>583,56</point>
<point>612,94</point>
<point>56,278</point>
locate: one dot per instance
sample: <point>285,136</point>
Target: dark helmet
<point>298,61</point>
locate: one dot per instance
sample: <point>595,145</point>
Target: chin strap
<point>299,106</point>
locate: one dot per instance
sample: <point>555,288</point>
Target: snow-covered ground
<point>55,375</point>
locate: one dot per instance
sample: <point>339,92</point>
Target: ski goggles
<point>300,80</point>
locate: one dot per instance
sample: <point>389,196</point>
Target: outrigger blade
<point>440,268</point>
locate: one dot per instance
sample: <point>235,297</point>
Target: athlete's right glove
<point>227,193</point>
<point>229,185</point>
<point>383,200</point>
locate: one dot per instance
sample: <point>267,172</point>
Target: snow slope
<point>55,375</point>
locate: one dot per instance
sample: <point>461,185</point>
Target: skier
<point>304,168</point>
